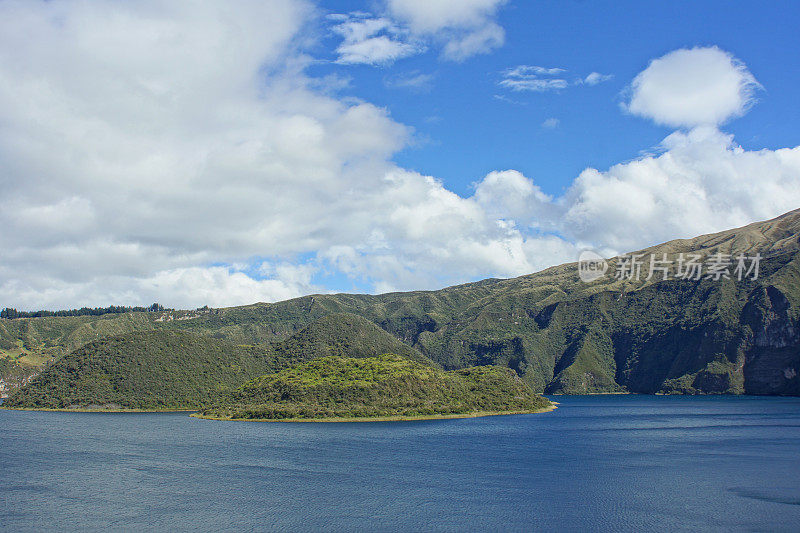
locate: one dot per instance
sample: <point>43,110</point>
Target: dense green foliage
<point>11,313</point>
<point>381,386</point>
<point>6,365</point>
<point>145,370</point>
<point>13,374</point>
<point>165,369</point>
<point>345,335</point>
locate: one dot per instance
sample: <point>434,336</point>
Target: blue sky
<point>465,131</point>
<point>227,153</point>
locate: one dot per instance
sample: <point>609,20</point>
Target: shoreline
<point>194,414</point>
<point>399,418</point>
<point>80,410</point>
<point>591,393</point>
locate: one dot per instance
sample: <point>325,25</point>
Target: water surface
<point>597,463</point>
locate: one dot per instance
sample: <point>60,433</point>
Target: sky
<point>205,153</point>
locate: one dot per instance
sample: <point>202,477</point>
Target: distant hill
<point>165,369</point>
<point>145,370</point>
<point>383,386</point>
<point>558,333</point>
<point>345,335</point>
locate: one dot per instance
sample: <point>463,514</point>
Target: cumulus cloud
<point>693,87</point>
<point>509,195</point>
<point>141,160</point>
<point>373,41</point>
<point>702,182</point>
<point>461,45</point>
<point>187,287</point>
<point>428,16</point>
<point>463,28</point>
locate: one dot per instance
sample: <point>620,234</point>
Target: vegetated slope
<point>13,375</point>
<point>562,335</point>
<point>167,369</point>
<point>145,370</point>
<point>55,336</point>
<point>679,337</point>
<point>384,386</point>
<point>566,336</point>
<point>31,343</point>
<point>345,335</point>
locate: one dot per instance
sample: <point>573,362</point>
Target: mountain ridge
<point>509,322</point>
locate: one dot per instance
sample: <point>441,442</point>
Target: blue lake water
<point>606,463</point>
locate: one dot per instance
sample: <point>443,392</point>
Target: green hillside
<point>383,386</point>
<point>13,375</point>
<point>145,370</point>
<point>344,335</point>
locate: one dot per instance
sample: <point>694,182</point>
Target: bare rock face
<point>775,329</point>
<point>773,359</point>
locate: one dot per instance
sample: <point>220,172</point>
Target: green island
<point>385,387</point>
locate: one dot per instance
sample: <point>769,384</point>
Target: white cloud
<point>693,87</point>
<point>534,85</point>
<point>463,28</point>
<point>375,50</point>
<point>188,288</point>
<point>532,71</point>
<point>595,77</point>
<point>701,183</point>
<point>509,195</point>
<point>533,78</point>
<point>373,41</point>
<point>138,154</point>
<point>465,44</point>
<point>429,16</point>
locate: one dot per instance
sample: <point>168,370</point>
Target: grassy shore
<point>474,414</point>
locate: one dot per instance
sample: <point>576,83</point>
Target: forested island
<point>385,387</point>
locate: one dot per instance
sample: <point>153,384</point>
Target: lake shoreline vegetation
<point>196,414</point>
<point>398,418</point>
